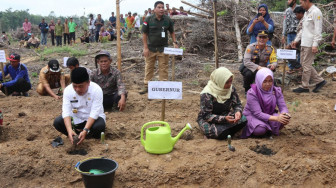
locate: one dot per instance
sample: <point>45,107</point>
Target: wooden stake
<point>173,67</point>
<point>163,109</point>
<point>215,32</point>
<point>118,35</point>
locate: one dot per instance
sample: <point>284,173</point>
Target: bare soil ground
<point>304,153</point>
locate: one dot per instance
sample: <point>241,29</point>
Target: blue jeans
<point>44,38</point>
<point>293,64</point>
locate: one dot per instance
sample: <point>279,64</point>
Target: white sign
<point>173,51</point>
<point>286,54</point>
<point>2,56</point>
<point>65,59</point>
<point>164,90</point>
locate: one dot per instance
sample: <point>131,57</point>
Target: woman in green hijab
<point>221,109</point>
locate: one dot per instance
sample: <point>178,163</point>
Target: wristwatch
<point>87,130</point>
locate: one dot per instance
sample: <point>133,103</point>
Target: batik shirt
<point>290,22</point>
<point>110,83</point>
<point>214,112</point>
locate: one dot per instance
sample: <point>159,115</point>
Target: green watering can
<point>158,139</point>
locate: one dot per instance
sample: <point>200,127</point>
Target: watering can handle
<point>150,123</point>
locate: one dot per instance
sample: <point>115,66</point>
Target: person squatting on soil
<point>110,80</point>
<point>260,109</point>
<point>73,63</point>
<point>52,77</point>
<point>221,109</point>
<point>310,36</point>
<point>33,41</point>
<point>257,56</point>
<point>262,21</point>
<point>155,38</point>
<point>24,40</point>
<point>289,30</point>
<point>82,110</point>
<point>85,38</point>
<point>20,83</point>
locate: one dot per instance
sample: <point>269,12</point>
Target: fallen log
<point>199,8</point>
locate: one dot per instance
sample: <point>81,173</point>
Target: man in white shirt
<point>82,110</point>
<point>92,27</point>
<point>310,36</point>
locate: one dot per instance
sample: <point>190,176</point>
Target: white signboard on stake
<point>173,51</point>
<point>65,59</point>
<point>2,56</point>
<point>164,90</point>
<point>286,54</point>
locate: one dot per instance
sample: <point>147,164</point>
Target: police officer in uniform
<point>258,55</point>
<point>52,77</point>
<point>155,38</point>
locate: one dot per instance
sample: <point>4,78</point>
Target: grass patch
<point>34,74</point>
<point>65,49</point>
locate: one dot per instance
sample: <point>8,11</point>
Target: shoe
<point>25,94</point>
<point>301,90</point>
<point>319,86</point>
<point>144,90</point>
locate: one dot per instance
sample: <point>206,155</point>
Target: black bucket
<point>107,167</point>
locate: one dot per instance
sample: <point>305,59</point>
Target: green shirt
<point>154,28</point>
<point>58,30</point>
<point>72,27</point>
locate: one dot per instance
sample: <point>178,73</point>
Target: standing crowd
<point>86,93</point>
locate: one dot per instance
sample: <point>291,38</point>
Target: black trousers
<point>52,34</point>
<point>97,36</point>
<point>95,131</point>
<point>20,86</point>
<point>59,40</point>
<point>111,100</point>
<point>73,36</point>
<point>231,131</point>
<point>249,77</point>
<point>66,36</point>
<point>33,45</point>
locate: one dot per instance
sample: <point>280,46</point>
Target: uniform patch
<point>319,17</point>
<point>145,23</point>
<point>248,50</point>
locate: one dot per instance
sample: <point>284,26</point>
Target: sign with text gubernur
<point>286,54</point>
<point>2,56</point>
<point>173,51</point>
<point>164,90</point>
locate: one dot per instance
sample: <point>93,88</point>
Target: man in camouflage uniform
<point>257,56</point>
<point>110,80</point>
<point>52,77</point>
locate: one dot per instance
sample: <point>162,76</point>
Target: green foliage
<point>208,69</point>
<point>10,20</point>
<point>65,49</point>
<point>34,74</point>
<point>104,39</point>
<point>222,13</point>
<point>294,104</point>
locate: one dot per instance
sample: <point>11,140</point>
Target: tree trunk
<point>118,35</point>
<point>238,35</point>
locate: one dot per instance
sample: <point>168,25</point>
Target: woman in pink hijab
<point>260,110</point>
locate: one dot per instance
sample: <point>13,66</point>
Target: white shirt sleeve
<point>317,17</point>
<point>97,103</point>
<point>66,107</point>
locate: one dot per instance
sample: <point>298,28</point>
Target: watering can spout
<point>176,138</point>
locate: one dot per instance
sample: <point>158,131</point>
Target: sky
<point>79,7</point>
